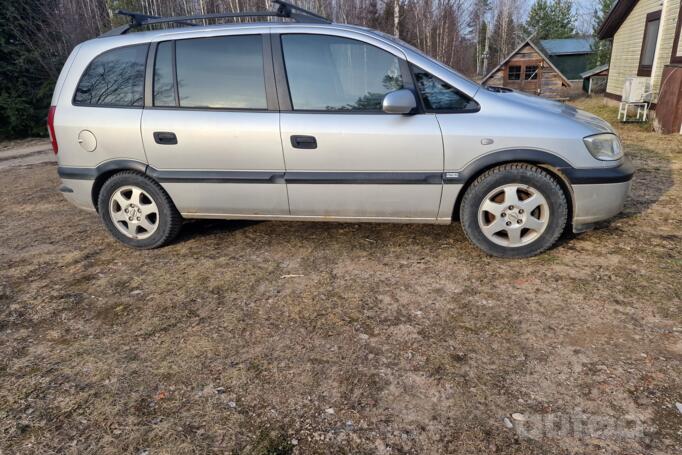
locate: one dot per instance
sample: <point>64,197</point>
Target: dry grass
<point>417,341</point>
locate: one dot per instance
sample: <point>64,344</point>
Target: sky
<point>585,10</point>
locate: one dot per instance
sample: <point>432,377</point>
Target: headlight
<point>605,147</point>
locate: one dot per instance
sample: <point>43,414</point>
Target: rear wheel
<point>514,210</point>
<point>137,211</point>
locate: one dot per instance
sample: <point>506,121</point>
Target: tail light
<point>50,128</point>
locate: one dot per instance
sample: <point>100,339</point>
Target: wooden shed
<point>529,69</point>
<point>595,79</point>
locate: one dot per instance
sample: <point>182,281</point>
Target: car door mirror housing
<point>399,102</point>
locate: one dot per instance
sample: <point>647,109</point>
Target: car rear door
<point>211,126</point>
<point>345,157</point>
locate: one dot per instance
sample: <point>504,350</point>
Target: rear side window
<point>115,78</point>
<point>439,96</point>
<point>224,72</point>
<point>329,73</point>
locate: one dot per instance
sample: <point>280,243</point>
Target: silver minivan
<point>316,121</point>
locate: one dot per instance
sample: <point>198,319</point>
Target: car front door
<point>211,131</point>
<point>345,157</point>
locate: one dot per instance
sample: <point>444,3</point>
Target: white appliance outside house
<point>637,90</point>
<point>636,94</point>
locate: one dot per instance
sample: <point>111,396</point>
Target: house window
<point>514,73</point>
<point>676,57</point>
<point>531,73</point>
<point>646,58</point>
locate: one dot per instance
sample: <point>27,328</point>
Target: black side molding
<point>501,157</point>
<point>215,176</point>
<point>619,174</point>
<point>173,176</point>
<point>91,173</point>
<point>77,173</point>
<point>365,178</point>
<point>622,172</point>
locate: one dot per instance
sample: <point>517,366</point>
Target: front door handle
<point>165,138</point>
<point>303,142</point>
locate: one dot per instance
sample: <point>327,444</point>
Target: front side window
<point>329,73</point>
<point>514,73</point>
<point>646,58</point>
<point>221,73</point>
<point>115,78</point>
<point>438,95</point>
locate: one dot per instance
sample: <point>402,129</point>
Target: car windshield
<point>414,49</point>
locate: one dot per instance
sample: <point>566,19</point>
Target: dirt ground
<point>283,338</point>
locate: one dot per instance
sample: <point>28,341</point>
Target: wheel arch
<point>545,160</point>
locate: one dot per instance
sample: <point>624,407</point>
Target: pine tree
<point>602,49</point>
<point>25,87</point>
<point>551,19</point>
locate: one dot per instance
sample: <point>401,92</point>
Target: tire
<point>137,211</point>
<point>515,210</point>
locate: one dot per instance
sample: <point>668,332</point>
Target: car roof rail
<point>284,10</point>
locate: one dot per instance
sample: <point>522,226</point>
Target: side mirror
<point>399,102</point>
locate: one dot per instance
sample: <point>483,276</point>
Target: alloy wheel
<point>513,215</point>
<point>134,212</point>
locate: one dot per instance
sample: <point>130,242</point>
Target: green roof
<point>567,46</point>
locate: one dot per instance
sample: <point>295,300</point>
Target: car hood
<point>540,105</point>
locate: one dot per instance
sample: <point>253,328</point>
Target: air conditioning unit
<point>636,89</point>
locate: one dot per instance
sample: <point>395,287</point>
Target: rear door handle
<point>303,142</point>
<point>165,138</point>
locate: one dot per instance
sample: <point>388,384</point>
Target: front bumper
<point>599,194</point>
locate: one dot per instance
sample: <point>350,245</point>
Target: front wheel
<point>137,211</point>
<point>514,210</point>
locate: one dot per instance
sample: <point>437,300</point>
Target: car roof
<point>151,35</point>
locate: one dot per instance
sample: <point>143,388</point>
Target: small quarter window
<point>514,73</point>
<point>439,95</point>
<point>115,78</point>
<point>531,73</point>
<point>164,80</point>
